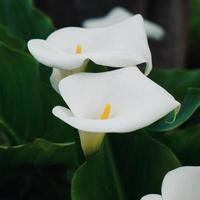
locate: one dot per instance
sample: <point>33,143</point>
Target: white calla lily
<point>122,100</point>
<point>180,184</point>
<point>119,45</point>
<point>118,14</point>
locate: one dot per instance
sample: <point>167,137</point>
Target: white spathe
<point>58,74</point>
<point>180,184</point>
<point>118,14</point>
<point>136,101</point>
<point>120,45</point>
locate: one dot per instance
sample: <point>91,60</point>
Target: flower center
<point>106,112</point>
<point>79,49</point>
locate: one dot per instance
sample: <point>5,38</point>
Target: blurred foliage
<point>185,143</point>
<point>194,34</point>
<point>23,20</point>
<point>39,154</point>
<point>32,182</point>
<point>176,81</point>
<point>11,40</point>
<point>195,20</point>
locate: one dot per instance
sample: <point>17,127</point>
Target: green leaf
<point>189,105</point>
<point>26,107</point>
<point>177,81</point>
<point>20,103</point>
<point>39,152</point>
<point>26,103</point>
<point>24,20</point>
<point>55,129</point>
<point>128,167</point>
<point>94,68</point>
<point>185,144</point>
<point>12,41</point>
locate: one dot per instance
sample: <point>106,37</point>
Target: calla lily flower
<point>119,101</point>
<point>119,45</point>
<point>180,184</point>
<point>118,14</point>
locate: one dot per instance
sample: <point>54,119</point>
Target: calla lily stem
<point>91,142</point>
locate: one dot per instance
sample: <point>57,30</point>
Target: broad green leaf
<point>12,41</point>
<point>20,104</point>
<point>55,129</point>
<point>128,167</point>
<point>185,144</point>
<point>23,117</point>
<point>177,81</point>
<point>24,20</point>
<point>39,152</point>
<point>189,105</point>
<point>45,73</point>
<point>26,105</point>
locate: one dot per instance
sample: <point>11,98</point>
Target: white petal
<point>152,197</point>
<point>182,184</point>
<point>119,14</point>
<point>120,45</point>
<point>135,100</point>
<point>48,54</point>
<point>56,76</point>
<point>123,124</point>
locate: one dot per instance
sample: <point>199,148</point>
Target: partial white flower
<point>119,101</point>
<point>152,197</point>
<point>56,76</point>
<point>119,45</point>
<point>180,184</point>
<point>119,14</point>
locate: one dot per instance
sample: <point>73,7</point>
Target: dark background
<point>172,15</point>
